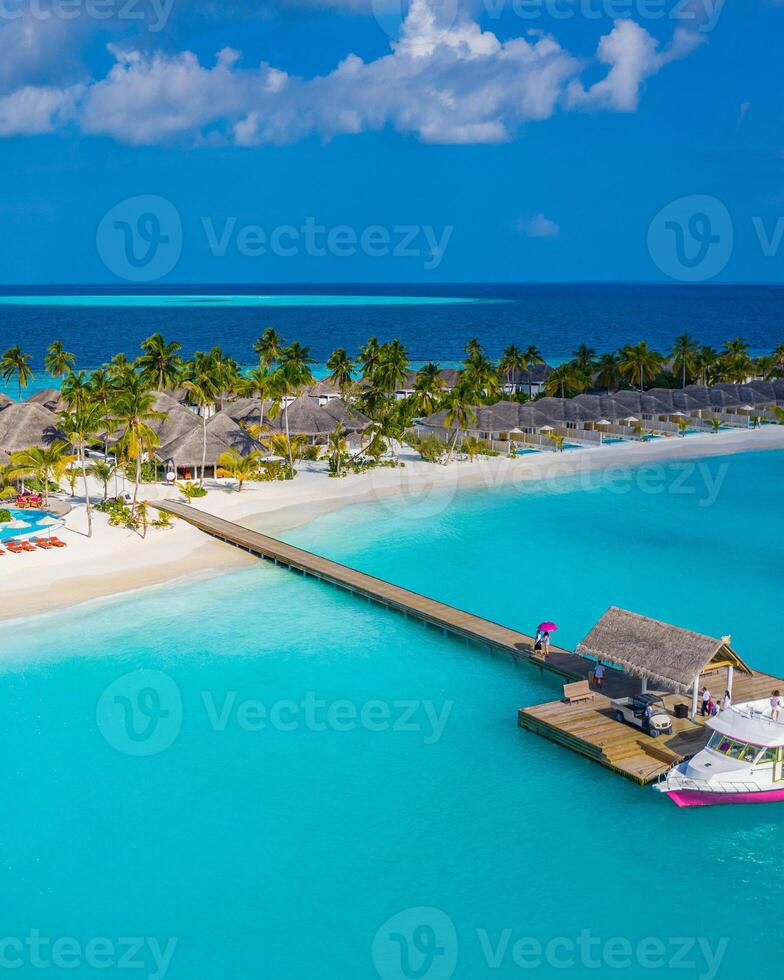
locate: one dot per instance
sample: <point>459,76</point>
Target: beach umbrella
<point>18,524</point>
<point>48,522</point>
<point>603,422</point>
<point>547,428</point>
<point>631,418</point>
<point>547,627</point>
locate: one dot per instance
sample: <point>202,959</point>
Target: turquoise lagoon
<point>284,851</point>
<point>232,299</point>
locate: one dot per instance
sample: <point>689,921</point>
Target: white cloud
<point>633,55</point>
<point>33,110</point>
<point>538,227</point>
<point>445,81</point>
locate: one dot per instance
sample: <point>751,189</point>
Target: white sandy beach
<point>116,560</point>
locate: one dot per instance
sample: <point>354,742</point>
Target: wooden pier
<point>437,614</point>
<point>586,727</point>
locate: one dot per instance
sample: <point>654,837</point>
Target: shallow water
<point>279,846</point>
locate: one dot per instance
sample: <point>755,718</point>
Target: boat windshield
<point>742,751</point>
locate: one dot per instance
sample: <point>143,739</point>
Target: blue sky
<point>352,141</point>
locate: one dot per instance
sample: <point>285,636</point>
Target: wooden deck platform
<point>588,727</point>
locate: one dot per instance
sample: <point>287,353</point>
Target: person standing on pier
<point>546,645</point>
<point>598,673</point>
<point>706,699</point>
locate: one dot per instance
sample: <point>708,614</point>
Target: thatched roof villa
<point>26,424</point>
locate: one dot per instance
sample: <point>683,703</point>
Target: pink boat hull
<point>693,797</point>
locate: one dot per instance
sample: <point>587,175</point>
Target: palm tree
<point>237,467</point>
<point>15,362</point>
<point>269,347</point>
<point>427,389</point>
<point>293,374</point>
<point>765,366</point>
<point>481,379</point>
<point>459,415</point>
<point>259,383</point>
<point>77,391</point>
<point>202,392</point>
<point>188,489</point>
<point>532,357</point>
<point>46,465</point>
<point>511,360</point>
<point>736,346</point>
<point>342,369</point>
<point>368,358</point>
<point>607,373</point>
<point>81,427</point>
<point>160,362</point>
<point>103,471</point>
<point>58,360</point>
<point>778,357</point>
<point>566,378</point>
<point>584,359</point>
<point>142,514</point>
<point>337,447</point>
<point>638,361</point>
<point>392,368</point>
<point>684,355</point>
<point>473,351</point>
<point>133,410</point>
<point>704,361</point>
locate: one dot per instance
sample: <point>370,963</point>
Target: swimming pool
<point>527,452</point>
<point>612,440</point>
<point>32,518</point>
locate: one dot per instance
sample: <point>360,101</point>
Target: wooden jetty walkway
<point>587,727</point>
<point>438,614</point>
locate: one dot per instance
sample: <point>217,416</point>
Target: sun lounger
<point>58,543</point>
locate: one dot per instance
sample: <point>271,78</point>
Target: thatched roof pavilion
<point>306,418</point>
<point>223,434</point>
<point>668,656</point>
<point>48,397</point>
<point>27,424</point>
<point>5,401</point>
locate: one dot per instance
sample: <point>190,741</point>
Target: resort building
<point>590,419</point>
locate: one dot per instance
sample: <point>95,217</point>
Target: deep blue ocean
<point>432,321</point>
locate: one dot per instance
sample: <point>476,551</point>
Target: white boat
<point>742,763</point>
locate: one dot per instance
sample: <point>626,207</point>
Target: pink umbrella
<point>547,627</point>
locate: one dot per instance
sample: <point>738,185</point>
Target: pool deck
<point>587,727</point>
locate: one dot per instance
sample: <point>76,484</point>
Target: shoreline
<point>116,561</point>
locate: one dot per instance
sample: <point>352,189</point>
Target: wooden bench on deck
<point>577,691</point>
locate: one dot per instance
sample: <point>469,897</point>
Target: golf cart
<point>642,711</point>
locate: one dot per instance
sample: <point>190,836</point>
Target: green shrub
<point>5,516</point>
